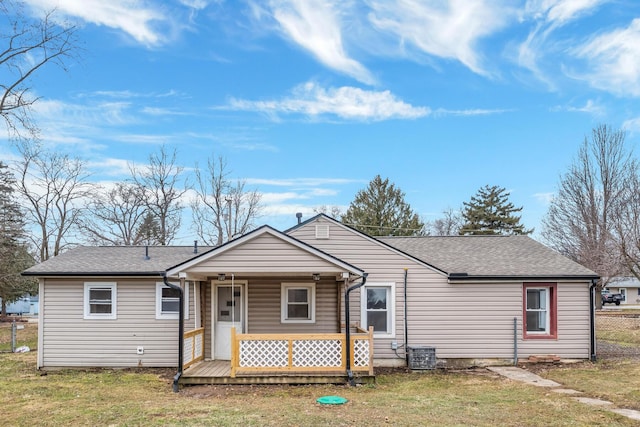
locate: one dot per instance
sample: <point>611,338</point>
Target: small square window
<point>100,300</point>
<point>298,303</point>
<point>168,301</point>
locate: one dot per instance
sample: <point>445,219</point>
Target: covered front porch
<point>282,359</point>
<point>268,308</point>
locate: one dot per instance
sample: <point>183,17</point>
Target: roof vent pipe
<point>195,246</point>
<point>146,252</point>
<point>299,216</point>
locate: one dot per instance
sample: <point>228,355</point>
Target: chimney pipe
<point>299,216</point>
<point>146,252</point>
<point>195,246</point>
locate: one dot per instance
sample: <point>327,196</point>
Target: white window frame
<point>546,310</point>
<point>284,303</point>
<point>171,315</point>
<point>391,308</point>
<point>88,286</point>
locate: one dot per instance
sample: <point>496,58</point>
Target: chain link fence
<point>618,335</point>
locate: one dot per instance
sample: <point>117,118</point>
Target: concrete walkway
<point>522,375</point>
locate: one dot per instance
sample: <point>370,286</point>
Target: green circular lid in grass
<point>332,400</point>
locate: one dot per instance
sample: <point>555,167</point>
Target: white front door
<point>228,312</point>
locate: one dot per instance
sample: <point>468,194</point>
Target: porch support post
<point>371,350</point>
<point>234,352</point>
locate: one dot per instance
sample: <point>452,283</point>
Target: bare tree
<point>581,217</point>
<point>222,209</point>
<point>627,224</point>
<point>115,216</point>
<point>449,225</point>
<point>53,186</point>
<point>159,183</point>
<point>26,46</point>
<point>333,211</point>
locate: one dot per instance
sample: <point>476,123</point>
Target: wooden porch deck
<point>219,372</point>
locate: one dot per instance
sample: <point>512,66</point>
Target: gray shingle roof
<point>121,260</point>
<point>491,256</point>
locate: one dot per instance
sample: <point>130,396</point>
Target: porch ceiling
<point>338,276</point>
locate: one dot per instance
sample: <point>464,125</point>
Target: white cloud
<point>133,17</point>
<point>110,166</point>
<point>444,29</point>
<point>613,60</point>
<point>632,125</point>
<point>157,111</point>
<point>560,11</point>
<point>549,15</point>
<point>345,102</point>
<point>590,107</point>
<point>470,112</point>
<point>316,26</point>
<point>300,182</point>
<point>544,198</point>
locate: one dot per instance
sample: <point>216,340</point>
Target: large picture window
<point>298,303</point>
<point>377,308</point>
<point>540,312</point>
<point>100,300</point>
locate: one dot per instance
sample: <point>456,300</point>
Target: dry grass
<point>613,380</point>
<point>27,336</point>
<point>466,398</point>
<point>622,329</point>
<point>129,397</point>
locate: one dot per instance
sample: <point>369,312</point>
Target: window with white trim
<point>100,300</point>
<point>540,311</point>
<point>298,303</point>
<point>168,301</point>
<point>377,308</point>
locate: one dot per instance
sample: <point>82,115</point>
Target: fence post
<point>13,336</point>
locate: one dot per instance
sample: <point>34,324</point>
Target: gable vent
<point>322,231</point>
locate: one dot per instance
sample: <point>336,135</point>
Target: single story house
<point>628,287</point>
<point>320,299</point>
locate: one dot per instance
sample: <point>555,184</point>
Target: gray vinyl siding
<point>265,308</point>
<point>462,321</point>
<point>69,340</point>
<point>265,253</point>
<point>208,324</point>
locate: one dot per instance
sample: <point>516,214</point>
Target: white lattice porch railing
<point>302,353</point>
<point>193,350</point>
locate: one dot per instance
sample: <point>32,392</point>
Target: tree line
<point>593,218</point>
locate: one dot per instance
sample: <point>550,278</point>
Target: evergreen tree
<point>490,212</point>
<point>149,232</point>
<point>380,210</point>
<point>14,256</point>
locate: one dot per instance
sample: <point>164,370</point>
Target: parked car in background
<point>610,298</point>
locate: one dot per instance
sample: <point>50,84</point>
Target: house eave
<point>45,274</point>
<point>458,278</point>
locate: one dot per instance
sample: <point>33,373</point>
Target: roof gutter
<point>90,274</point>
<point>592,319</point>
<point>348,326</point>
<point>466,278</point>
<point>176,378</point>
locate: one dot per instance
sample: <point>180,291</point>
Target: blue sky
<point>308,100</point>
